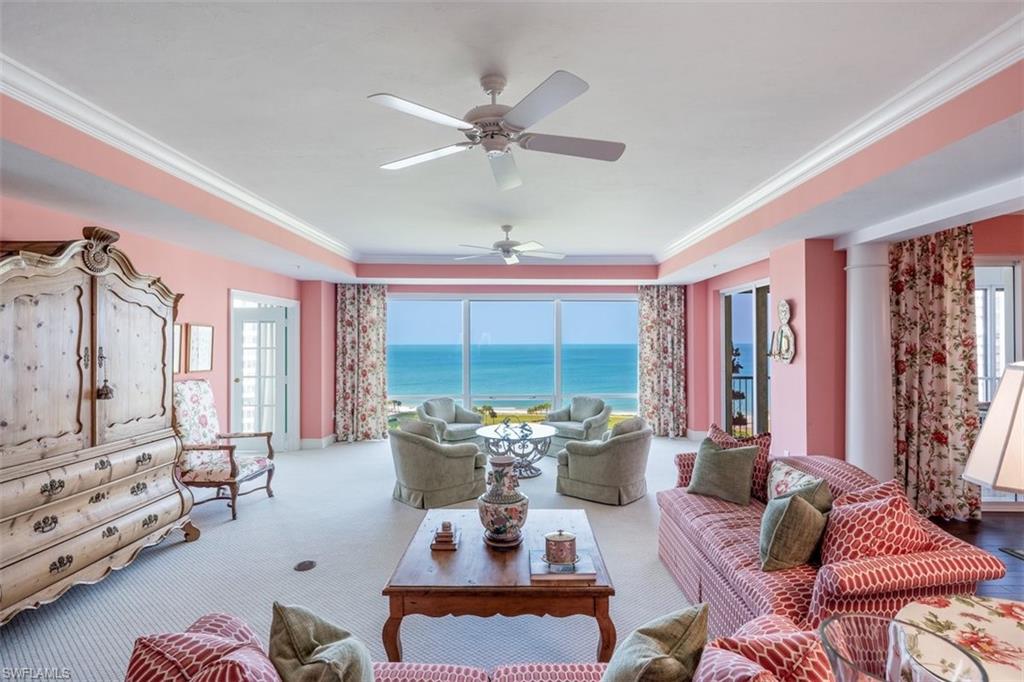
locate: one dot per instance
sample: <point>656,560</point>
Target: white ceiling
<point>711,99</point>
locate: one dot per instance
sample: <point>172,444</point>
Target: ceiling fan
<point>510,250</point>
<point>496,127</point>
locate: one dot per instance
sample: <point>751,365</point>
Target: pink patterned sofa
<point>711,548</point>
<point>222,648</point>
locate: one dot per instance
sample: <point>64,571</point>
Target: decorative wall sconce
<point>783,343</point>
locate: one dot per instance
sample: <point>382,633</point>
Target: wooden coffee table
<point>476,580</point>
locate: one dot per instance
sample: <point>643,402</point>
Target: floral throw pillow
<point>783,478</point>
<point>876,528</point>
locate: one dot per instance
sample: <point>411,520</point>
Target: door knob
<point>237,380</point>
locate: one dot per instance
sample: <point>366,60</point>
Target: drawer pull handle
<point>102,464</point>
<point>139,488</point>
<point>45,524</point>
<point>62,564</point>
<point>98,497</point>
<point>110,531</point>
<point>144,458</point>
<point>52,488</point>
<point>150,520</point>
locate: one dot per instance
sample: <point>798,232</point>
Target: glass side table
<point>864,648</point>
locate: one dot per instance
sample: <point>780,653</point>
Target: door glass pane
<point>249,334</point>
<point>512,354</point>
<point>599,352</point>
<point>740,394</point>
<point>248,418</point>
<point>424,353</point>
<point>268,362</point>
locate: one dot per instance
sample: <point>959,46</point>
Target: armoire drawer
<point>28,532</point>
<point>36,572</point>
<point>22,494</point>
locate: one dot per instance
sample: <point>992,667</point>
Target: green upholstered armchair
<point>431,474</point>
<point>612,470</point>
<point>453,423</point>
<point>585,418</point>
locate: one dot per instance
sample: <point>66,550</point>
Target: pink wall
<point>319,315</point>
<point>704,368</point>
<point>204,281</point>
<point>808,403</point>
<point>1000,236</point>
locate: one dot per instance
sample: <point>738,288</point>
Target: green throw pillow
<point>723,473</point>
<point>790,531</point>
<point>665,650</point>
<point>305,648</point>
<point>814,491</point>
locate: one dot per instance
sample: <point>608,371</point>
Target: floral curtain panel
<point>662,380</point>
<point>931,296</point>
<point>359,405</point>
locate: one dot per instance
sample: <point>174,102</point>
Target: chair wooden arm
<point>252,434</point>
<point>230,449</point>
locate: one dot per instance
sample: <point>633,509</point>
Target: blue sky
<point>413,322</point>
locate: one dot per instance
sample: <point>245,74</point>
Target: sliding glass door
<point>599,351</point>
<point>424,352</point>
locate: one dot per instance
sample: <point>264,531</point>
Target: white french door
<point>264,354</point>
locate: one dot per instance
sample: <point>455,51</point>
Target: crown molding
<point>406,259</point>
<point>35,90</point>
<point>999,49</point>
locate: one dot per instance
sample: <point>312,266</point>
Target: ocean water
<point>418,372</point>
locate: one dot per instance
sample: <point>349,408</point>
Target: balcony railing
<point>741,406</point>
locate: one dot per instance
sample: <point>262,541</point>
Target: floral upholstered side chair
<point>207,461</point>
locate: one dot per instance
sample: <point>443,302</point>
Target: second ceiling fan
<point>495,127</point>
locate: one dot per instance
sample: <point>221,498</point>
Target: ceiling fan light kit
<point>495,127</point>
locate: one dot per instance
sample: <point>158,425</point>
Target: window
<point>510,356</point>
<point>424,350</point>
<point>599,351</point>
<point>512,353</point>
<point>996,338</point>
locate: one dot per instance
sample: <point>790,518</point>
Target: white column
<point>869,420</point>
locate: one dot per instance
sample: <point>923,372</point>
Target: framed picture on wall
<point>200,348</point>
<point>176,349</point>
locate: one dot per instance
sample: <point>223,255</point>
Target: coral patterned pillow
<point>719,665</point>
<point>869,529</point>
<point>759,483</point>
<point>790,656</point>
<point>216,647</point>
<point>879,491</point>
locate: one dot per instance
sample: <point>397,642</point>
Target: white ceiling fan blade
<point>528,246</point>
<point>428,156</point>
<point>559,89</point>
<point>506,173</point>
<point>475,255</point>
<point>510,260</point>
<point>602,150</point>
<point>420,111</point>
<point>543,254</point>
<point>474,246</point>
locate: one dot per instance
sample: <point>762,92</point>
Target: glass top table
<point>527,442</point>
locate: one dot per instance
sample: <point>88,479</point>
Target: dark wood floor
<point>995,530</point>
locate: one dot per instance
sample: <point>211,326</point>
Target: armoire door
<point>45,373</point>
<point>133,360</point>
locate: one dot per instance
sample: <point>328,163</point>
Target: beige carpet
<point>334,506</point>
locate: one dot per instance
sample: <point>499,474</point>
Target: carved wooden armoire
<point>87,451</point>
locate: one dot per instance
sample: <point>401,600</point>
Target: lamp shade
<point>997,459</point>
